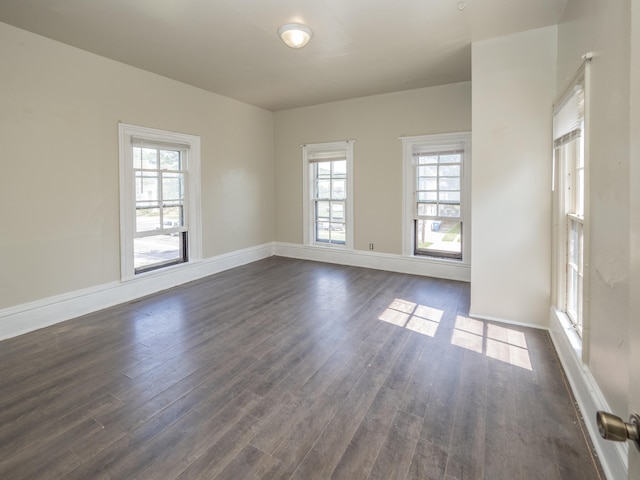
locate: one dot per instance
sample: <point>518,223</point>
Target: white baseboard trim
<point>449,270</point>
<point>32,316</point>
<point>506,321</point>
<point>613,455</point>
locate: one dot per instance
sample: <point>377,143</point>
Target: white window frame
<point>570,142</point>
<point>308,192</point>
<point>191,145</point>
<point>435,142</point>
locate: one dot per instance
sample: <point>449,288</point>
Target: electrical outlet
<point>371,246</point>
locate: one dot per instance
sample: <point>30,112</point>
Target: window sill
<point>438,260</point>
<point>570,333</point>
<point>168,270</point>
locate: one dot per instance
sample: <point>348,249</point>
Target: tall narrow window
<point>569,186</point>
<point>159,204</point>
<point>328,193</point>
<point>435,192</point>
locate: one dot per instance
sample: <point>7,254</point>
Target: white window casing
<point>185,177</point>
<point>328,185</point>
<point>426,203</point>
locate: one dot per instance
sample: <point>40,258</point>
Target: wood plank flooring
<point>287,369</point>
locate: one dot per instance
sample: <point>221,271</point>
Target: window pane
<point>427,183</point>
<point>323,233</point>
<point>450,170</point>
<point>448,197</point>
<point>445,210</point>
<point>149,158</point>
<point>323,188</point>
<point>338,189</point>
<point>456,158</point>
<point>158,250</point>
<point>137,157</point>
<point>428,171</point>
<point>172,217</point>
<point>427,196</point>
<point>322,211</point>
<point>579,193</point>
<point>146,186</point>
<point>337,211</point>
<point>147,219</point>
<point>323,169</point>
<point>439,238</point>
<point>172,186</point>
<point>170,160</point>
<point>338,233</point>
<point>449,183</point>
<point>427,210</point>
<point>427,159</point>
<point>340,168</point>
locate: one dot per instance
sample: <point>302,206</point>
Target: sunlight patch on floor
<point>413,316</point>
<point>497,342</point>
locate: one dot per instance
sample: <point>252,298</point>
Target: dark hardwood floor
<point>286,369</point>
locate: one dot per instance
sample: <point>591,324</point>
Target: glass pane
<point>322,211</point>
<point>427,183</point>
<point>323,233</point>
<point>323,188</point>
<point>450,170</point>
<point>449,184</point>
<point>172,186</point>
<point>439,238</point>
<point>137,157</point>
<point>157,250</point>
<point>427,159</point>
<point>446,210</point>
<point>337,211</point>
<point>427,196</point>
<point>340,168</point>
<point>338,233</point>
<point>448,197</point>
<point>427,210</point>
<point>172,217</point>
<point>573,243</point>
<point>338,189</point>
<point>169,160</point>
<point>579,193</point>
<point>455,158</point>
<point>146,186</point>
<point>323,169</point>
<point>572,297</point>
<point>149,158</point>
<point>428,171</point>
<point>147,219</point>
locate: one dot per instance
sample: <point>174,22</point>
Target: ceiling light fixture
<point>295,35</point>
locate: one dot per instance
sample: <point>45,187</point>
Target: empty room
<point>321,239</point>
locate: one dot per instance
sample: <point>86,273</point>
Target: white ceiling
<point>231,47</point>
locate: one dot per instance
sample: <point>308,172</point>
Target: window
<point>569,198</point>
<point>436,189</point>
<point>159,205</point>
<point>328,209</point>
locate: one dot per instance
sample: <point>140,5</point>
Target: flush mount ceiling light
<point>295,35</point>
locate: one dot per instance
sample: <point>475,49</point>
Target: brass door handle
<point>615,429</point>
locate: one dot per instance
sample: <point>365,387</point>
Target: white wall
<point>376,123</point>
<point>593,26</point>
<point>513,85</point>
<point>634,219</point>
<point>604,29</point>
<point>59,111</point>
